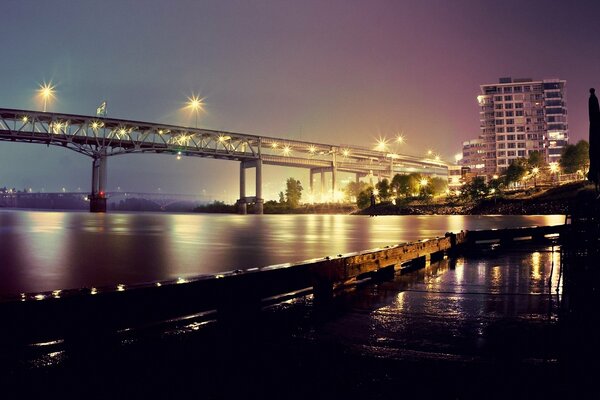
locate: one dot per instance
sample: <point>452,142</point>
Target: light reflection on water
<point>44,251</point>
<point>459,307</point>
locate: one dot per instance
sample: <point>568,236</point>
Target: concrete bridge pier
<point>99,178</point>
<point>258,201</point>
<point>242,203</point>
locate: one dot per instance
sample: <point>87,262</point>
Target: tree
<point>353,189</point>
<point>515,171</point>
<point>575,157</point>
<point>363,200</point>
<point>536,159</point>
<point>281,197</point>
<point>384,189</point>
<point>406,185</point>
<point>475,189</point>
<point>293,192</point>
<point>414,180</point>
<point>437,186</point>
<point>495,186</point>
<point>401,184</point>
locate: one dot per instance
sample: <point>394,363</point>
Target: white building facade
<point>520,116</point>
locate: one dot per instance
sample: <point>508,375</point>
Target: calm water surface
<point>42,251</point>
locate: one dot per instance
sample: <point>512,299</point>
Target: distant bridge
<point>99,138</point>
<point>73,199</point>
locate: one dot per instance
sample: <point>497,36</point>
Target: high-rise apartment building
<point>520,116</point>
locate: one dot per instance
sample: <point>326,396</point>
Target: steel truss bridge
<point>100,138</point>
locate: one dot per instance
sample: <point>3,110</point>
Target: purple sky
<point>331,71</point>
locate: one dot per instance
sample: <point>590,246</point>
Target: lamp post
<point>534,172</point>
<point>423,183</point>
<point>554,168</point>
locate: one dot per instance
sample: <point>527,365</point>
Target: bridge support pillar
<point>258,205</point>
<point>241,203</point>
<point>322,184</point>
<point>333,183</point>
<point>98,196</point>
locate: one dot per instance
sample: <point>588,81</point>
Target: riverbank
<point>531,202</point>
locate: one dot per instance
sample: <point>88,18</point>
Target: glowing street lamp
<point>400,139</point>
<point>423,184</point>
<point>534,172</point>
<point>46,90</point>
<point>381,144</point>
<point>195,104</point>
<point>554,168</point>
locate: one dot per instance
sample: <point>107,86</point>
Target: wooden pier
<point>39,317</point>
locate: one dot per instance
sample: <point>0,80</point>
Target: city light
<point>424,182</point>
<point>274,145</point>
<point>381,144</point>
<point>196,104</point>
<point>287,150</point>
<point>400,139</point>
<point>46,91</point>
<point>312,149</point>
<point>97,124</point>
<point>554,167</point>
<point>345,152</point>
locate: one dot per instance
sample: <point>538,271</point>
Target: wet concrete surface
<point>486,325</point>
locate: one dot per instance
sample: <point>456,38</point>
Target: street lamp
<point>46,90</point>
<point>381,144</point>
<point>423,183</point>
<point>534,172</point>
<point>554,168</point>
<point>196,104</point>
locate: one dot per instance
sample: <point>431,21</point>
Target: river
<point>43,251</point>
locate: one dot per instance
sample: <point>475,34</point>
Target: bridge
<point>79,200</point>
<point>101,137</point>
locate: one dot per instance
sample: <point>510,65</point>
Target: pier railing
<point>46,316</point>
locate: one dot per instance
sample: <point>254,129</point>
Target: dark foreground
<point>487,325</point>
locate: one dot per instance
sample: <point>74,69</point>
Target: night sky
<point>339,72</point>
